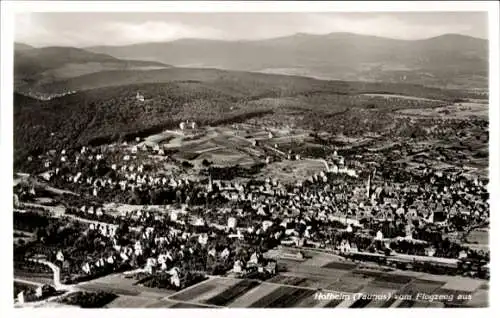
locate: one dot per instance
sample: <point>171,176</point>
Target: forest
<point>211,97</point>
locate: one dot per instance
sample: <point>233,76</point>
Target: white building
<point>139,97</point>
<point>231,222</point>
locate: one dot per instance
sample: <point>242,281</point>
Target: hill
<point>242,84</point>
<point>22,46</point>
<point>105,108</point>
<point>458,60</point>
<point>38,66</point>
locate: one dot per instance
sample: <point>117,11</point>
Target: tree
<point>206,163</point>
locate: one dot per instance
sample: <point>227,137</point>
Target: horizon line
<point>256,40</point>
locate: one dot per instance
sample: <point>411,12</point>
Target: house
<point>39,292</point>
<point>254,259</point>
<point>271,267</point>
<point>20,297</point>
<point>231,223</point>
<point>430,251</point>
<point>225,253</point>
<point>463,254</point>
<point>238,267</point>
<point>86,268</point>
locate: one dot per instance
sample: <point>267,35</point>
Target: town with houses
<point>122,211</point>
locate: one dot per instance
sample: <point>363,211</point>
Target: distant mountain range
<point>34,67</point>
<point>449,60</point>
<point>22,47</point>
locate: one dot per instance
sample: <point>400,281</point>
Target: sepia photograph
<point>295,159</point>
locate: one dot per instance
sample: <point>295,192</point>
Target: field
<point>288,170</point>
<point>462,110</point>
<point>396,96</point>
<point>283,297</point>
<point>120,285</point>
<point>244,146</point>
<point>298,285</point>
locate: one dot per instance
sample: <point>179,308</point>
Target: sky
<point>87,29</point>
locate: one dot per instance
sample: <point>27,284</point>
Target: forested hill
<point>40,66</point>
<point>111,113</point>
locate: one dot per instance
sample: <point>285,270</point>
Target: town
<point>239,201</point>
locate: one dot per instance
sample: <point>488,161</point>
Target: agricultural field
<point>289,170</point>
<point>253,295</point>
<point>396,96</point>
<point>206,290</point>
<point>462,110</point>
<point>283,297</point>
<point>124,301</point>
<point>122,286</point>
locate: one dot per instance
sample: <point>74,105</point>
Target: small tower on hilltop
<point>369,183</point>
<point>210,187</point>
<point>139,97</point>
<point>368,186</point>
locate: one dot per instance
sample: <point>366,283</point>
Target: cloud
<point>87,29</point>
<point>382,25</point>
<point>157,31</point>
<point>28,29</point>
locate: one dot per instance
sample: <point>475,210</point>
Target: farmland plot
<point>303,280</point>
<point>283,297</point>
<point>340,265</point>
<point>381,296</point>
<point>120,285</point>
<point>390,281</point>
<point>313,271</point>
<point>206,290</point>
<point>232,293</point>
<point>131,302</point>
<point>253,295</point>
<point>192,293</point>
<point>415,287</point>
<point>351,282</point>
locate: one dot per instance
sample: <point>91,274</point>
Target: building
<point>231,223</point>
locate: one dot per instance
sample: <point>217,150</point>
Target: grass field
<point>206,290</point>
<point>131,302</point>
<point>339,265</point>
<point>350,282</point>
<point>122,286</point>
